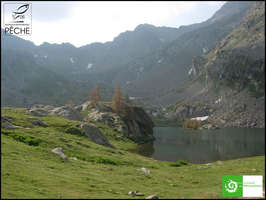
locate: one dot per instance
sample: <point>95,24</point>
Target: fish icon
<point>18,13</point>
<point>22,9</point>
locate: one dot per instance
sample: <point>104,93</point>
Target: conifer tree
<point>117,104</point>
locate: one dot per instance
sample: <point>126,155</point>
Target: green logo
<point>232,186</point>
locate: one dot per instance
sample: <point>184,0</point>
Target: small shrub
<point>26,139</point>
<point>179,163</point>
<point>71,105</point>
<point>104,161</point>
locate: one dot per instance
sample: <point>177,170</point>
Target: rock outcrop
<point>63,111</point>
<point>139,123</point>
<point>95,135</point>
<point>136,125</point>
<point>67,112</point>
<point>109,118</point>
<point>8,125</point>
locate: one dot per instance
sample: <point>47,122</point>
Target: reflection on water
<point>195,146</point>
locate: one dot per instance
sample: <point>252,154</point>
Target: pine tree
<point>117,104</point>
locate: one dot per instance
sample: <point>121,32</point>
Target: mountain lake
<point>204,146</point>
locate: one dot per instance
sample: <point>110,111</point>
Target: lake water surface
<point>203,146</point>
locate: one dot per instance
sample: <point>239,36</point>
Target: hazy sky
<point>81,23</point>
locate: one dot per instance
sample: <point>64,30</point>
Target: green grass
<point>178,163</point>
<point>32,171</point>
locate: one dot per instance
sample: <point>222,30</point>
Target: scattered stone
<point>146,171</point>
<point>253,170</point>
<point>95,135</point>
<point>37,122</point>
<point>5,118</point>
<point>135,193</point>
<point>8,125</point>
<point>152,197</point>
<point>73,158</point>
<point>219,162</point>
<point>41,191</point>
<point>202,167</point>
<point>139,194</point>
<point>59,152</point>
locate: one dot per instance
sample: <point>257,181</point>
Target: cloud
<point>52,11</point>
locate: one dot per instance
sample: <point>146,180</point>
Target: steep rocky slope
<point>156,77</point>
<point>229,81</point>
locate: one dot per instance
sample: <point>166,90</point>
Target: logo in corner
<point>19,13</point>
<point>17,18</point>
<point>231,186</point>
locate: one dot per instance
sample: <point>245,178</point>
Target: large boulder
<point>40,112</point>
<point>8,125</point>
<point>67,112</point>
<point>37,122</point>
<point>95,135</point>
